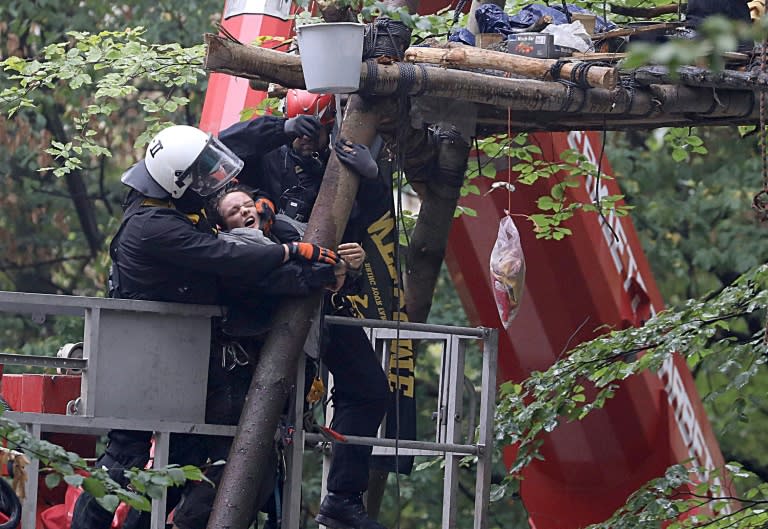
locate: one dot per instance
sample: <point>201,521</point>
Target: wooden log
<point>677,106</point>
<point>706,102</point>
<point>552,122</point>
<point>604,56</point>
<point>648,12</point>
<point>518,94</point>
<point>627,32</point>
<point>535,99</point>
<point>467,56</point>
<point>700,77</point>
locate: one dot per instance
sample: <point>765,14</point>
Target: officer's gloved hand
<point>313,253</point>
<point>266,210</point>
<point>302,126</point>
<point>358,157</point>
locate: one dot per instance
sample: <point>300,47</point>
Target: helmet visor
<point>213,168</point>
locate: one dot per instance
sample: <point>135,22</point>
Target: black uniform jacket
<point>162,255</point>
<point>250,141</point>
<point>272,167</point>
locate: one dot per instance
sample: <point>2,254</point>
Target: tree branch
<point>76,186</point>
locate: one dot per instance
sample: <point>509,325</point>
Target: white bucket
<point>331,54</point>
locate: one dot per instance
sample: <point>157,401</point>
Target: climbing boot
<point>339,511</point>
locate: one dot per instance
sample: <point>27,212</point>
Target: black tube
<point>9,505</point>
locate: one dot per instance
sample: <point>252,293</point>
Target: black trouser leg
<point>125,449</point>
<point>227,390</point>
<point>360,398</point>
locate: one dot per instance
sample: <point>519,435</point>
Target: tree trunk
<point>439,197</point>
<point>276,371</point>
<point>439,192</point>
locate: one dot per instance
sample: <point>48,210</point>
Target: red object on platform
<point>60,516</point>
<point>49,394</point>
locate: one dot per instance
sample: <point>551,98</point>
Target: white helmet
<point>182,157</point>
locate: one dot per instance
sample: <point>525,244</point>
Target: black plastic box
<point>538,45</point>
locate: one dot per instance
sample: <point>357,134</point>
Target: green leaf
<point>94,487</point>
<point>497,492</point>
<point>679,155</point>
<point>51,480</point>
<point>110,502</point>
<point>137,501</point>
<point>546,203</point>
<point>75,480</point>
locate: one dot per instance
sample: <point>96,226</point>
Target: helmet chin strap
<point>189,202</point>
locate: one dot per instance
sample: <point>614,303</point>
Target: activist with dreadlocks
<point>291,176</point>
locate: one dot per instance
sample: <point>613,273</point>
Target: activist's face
<point>238,210</point>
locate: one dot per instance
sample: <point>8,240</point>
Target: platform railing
<point>144,367</point>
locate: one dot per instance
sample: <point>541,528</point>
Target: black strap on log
<point>386,38</point>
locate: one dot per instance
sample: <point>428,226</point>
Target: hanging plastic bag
<point>507,271</point>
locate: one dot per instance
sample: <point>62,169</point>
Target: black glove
<point>313,253</point>
<point>302,126</point>
<point>358,157</point>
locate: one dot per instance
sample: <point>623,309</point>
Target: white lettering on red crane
<point>611,226</point>
<point>624,260</point>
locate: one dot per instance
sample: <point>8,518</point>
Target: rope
<point>577,79</point>
<point>556,69</point>
<point>760,200</point>
<point>568,16</point>
<point>372,74</point>
<point>630,85</point>
<point>424,80</point>
<point>457,12</point>
<point>715,103</point>
<point>509,161</point>
<point>386,38</point>
<point>407,77</point>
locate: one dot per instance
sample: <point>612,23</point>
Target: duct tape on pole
<point>331,54</point>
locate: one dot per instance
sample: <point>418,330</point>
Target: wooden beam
<point>653,99</point>
<point>700,77</point>
<point>705,102</point>
<point>648,12</point>
<point>238,59</point>
<point>638,30</point>
<point>467,56</point>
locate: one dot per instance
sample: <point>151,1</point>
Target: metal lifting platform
<point>144,367</point>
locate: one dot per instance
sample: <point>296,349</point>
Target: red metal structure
<point>598,276</point>
<point>48,394</point>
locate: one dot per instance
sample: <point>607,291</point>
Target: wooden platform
<point>541,94</point>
